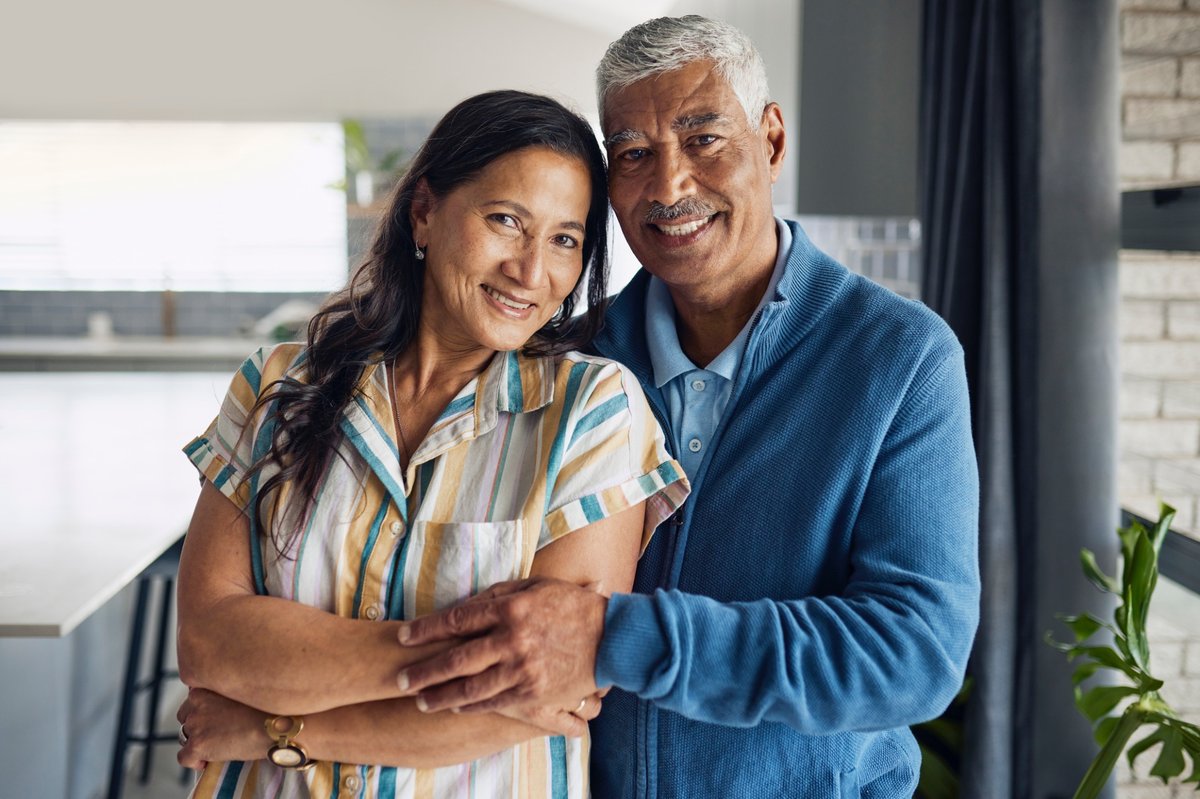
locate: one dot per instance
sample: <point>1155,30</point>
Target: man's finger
<point>457,622</point>
<point>465,660</point>
<point>458,694</point>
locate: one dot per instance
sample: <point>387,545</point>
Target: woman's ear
<point>420,214</point>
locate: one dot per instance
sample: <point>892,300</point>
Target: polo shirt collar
<point>667,358</point>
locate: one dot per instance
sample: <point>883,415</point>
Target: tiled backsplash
<point>137,313</point>
<point>885,249</point>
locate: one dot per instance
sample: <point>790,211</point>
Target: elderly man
<point>818,593</point>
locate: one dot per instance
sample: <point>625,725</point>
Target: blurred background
<point>181,185</point>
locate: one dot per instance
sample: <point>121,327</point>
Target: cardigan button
<point>694,445</point>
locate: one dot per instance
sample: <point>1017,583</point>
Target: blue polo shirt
<point>696,397</point>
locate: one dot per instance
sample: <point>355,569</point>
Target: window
<point>171,205</point>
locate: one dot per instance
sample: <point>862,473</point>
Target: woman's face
<point>504,250</point>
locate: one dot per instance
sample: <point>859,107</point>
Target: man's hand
<point>531,642</point>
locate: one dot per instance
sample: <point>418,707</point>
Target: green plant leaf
<point>938,780</point>
<point>358,155</point>
<point>1129,536</point>
<point>1084,626</point>
<point>1093,572</point>
<point>1135,751</point>
<point>1170,760</point>
<point>1105,729</point>
<point>1099,701</point>
<point>1166,514</point>
<point>1096,778</point>
<point>1084,671</point>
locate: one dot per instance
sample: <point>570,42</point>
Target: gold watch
<point>287,752</point>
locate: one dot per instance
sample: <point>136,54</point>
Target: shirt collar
<point>511,383</point>
<point>667,358</point>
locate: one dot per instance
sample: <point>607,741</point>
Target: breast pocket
<point>455,560</point>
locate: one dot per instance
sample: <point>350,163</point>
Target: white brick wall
<point>1146,161</point>
<point>1189,83</point>
<point>1157,32</point>
<point>1155,76</point>
<point>1188,168</point>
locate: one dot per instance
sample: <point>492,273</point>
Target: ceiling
<point>611,17</point>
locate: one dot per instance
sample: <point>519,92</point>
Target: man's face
<point>690,178</point>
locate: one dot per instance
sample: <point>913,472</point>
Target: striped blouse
<point>530,450</point>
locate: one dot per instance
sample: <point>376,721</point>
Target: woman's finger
<point>463,661</point>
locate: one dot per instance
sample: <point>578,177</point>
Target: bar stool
<point>161,572</point>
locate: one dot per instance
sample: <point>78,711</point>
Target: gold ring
<point>183,736</point>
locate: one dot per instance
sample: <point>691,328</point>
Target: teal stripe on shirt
<point>558,767</point>
<point>603,413</point>
<point>516,394</point>
<point>368,548</point>
<point>233,772</point>
<point>574,378</point>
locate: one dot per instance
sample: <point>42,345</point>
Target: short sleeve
<point>225,451</point>
<point>614,458</point>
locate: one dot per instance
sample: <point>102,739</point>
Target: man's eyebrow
<point>620,137</point>
<point>694,121</point>
<point>687,122</point>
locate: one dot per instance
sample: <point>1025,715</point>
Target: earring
<point>420,254</point>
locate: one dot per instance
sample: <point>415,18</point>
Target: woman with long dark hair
<point>437,433</point>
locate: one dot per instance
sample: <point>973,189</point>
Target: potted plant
<point>1119,711</point>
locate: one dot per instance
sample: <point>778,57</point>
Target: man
<point>818,593</point>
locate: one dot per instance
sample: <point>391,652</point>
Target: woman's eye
<point>504,219</point>
<point>566,241</point>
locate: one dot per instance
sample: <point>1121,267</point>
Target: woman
<point>435,435</point>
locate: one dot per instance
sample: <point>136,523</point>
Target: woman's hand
<point>219,729</point>
<point>571,722</point>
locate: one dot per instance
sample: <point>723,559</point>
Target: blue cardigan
<point>819,592</point>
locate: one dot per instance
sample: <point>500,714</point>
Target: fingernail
<point>403,634</point>
<point>421,704</point>
<point>456,710</point>
<point>402,681</point>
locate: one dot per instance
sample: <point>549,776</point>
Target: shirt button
<point>694,445</point>
<point>350,783</point>
<point>397,528</point>
<point>697,385</point>
<point>372,612</point>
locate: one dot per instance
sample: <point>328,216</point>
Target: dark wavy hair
<point>374,318</point>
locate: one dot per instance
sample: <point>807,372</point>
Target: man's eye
<point>705,139</point>
<point>634,154</point>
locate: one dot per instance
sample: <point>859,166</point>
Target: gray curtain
<point>978,98</point>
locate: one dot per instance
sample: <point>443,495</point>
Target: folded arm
<point>254,656</point>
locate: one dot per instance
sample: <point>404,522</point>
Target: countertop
<point>124,353</point>
<point>95,486</point>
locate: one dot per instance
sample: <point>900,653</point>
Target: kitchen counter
<point>124,353</point>
<point>95,486</point>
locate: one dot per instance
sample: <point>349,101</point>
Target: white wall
<point>281,59</point>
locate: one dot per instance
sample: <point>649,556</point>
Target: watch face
<point>286,757</point>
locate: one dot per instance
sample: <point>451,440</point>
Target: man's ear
<point>424,203</point>
<point>774,138</point>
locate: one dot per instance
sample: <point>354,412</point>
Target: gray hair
<point>669,43</point>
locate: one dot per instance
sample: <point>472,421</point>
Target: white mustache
<point>689,206</point>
